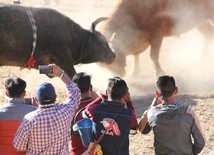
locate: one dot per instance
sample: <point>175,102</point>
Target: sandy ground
<point>180,56</point>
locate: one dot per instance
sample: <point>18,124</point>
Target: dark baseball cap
<point>45,92</point>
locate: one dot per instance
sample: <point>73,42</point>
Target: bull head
<point>118,66</point>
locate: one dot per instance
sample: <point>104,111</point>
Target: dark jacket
<point>113,119</point>
<point>173,126</point>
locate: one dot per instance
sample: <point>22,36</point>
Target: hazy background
<point>180,56</point>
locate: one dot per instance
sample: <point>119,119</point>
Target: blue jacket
<point>113,119</point>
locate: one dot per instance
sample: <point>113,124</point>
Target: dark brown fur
<point>60,40</point>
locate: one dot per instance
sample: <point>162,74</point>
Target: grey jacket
<point>176,130</point>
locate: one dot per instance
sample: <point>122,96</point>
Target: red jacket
<point>77,147</point>
<point>7,132</point>
<point>11,115</point>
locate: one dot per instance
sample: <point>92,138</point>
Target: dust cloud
<point>181,56</point>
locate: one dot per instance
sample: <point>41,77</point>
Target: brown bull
<point>139,24</point>
<point>50,36</point>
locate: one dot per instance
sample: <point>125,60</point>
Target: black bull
<point>58,39</point>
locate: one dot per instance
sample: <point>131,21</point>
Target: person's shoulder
<point>24,108</point>
<point>31,115</point>
<point>30,106</point>
<point>4,106</point>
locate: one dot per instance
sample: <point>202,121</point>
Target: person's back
<point>172,127</point>
<point>114,118</point>
<point>176,128</point>
<point>47,130</point>
<point>12,113</point>
<point>83,81</point>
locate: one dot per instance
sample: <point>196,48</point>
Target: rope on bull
<point>31,61</point>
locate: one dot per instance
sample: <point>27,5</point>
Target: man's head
<point>166,86</point>
<point>45,93</point>
<point>83,81</point>
<point>117,88</point>
<point>15,87</point>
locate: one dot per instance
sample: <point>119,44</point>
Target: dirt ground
<point>180,56</point>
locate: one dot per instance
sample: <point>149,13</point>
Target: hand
<point>128,97</point>
<point>156,101</point>
<point>57,71</point>
<point>102,96</point>
<point>35,102</point>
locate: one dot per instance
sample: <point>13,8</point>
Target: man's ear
<point>7,94</point>
<point>157,93</point>
<point>91,88</point>
<point>55,98</point>
<point>176,90</point>
<point>23,94</point>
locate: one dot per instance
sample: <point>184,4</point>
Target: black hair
<point>83,81</point>
<point>15,86</point>
<point>117,88</point>
<point>166,85</point>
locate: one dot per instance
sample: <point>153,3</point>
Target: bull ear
<point>93,25</point>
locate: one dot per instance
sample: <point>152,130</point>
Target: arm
<point>74,93</point>
<point>134,123</point>
<point>90,108</point>
<point>197,134</point>
<point>58,72</point>
<point>143,124</point>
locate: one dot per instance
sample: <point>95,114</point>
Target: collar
<point>114,103</point>
<point>87,99</point>
<point>47,105</point>
<point>16,100</point>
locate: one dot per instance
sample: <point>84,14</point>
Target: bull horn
<point>93,25</point>
<point>114,35</point>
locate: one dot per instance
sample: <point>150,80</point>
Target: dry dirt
<point>180,57</point>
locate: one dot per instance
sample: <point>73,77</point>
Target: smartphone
<point>28,101</point>
<point>45,69</point>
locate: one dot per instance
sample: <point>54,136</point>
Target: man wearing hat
<point>47,130</point>
<point>175,126</point>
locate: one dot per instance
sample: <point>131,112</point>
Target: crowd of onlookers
<point>45,127</point>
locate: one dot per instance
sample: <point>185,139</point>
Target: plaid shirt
<point>46,131</point>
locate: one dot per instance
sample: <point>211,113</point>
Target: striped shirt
<point>46,131</point>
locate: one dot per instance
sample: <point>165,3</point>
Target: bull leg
<point>154,54</point>
<point>136,65</point>
<point>207,30</point>
<point>66,65</point>
<point>63,59</point>
<point>68,68</point>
